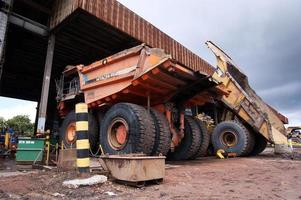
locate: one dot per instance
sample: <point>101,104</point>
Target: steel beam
<point>28,24</point>
<point>36,6</point>
<point>5,7</point>
<point>3,28</point>
<point>45,87</point>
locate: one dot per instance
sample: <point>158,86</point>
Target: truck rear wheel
<point>127,128</point>
<point>190,143</point>
<point>232,136</point>
<point>259,146</point>
<point>205,139</point>
<point>68,131</point>
<point>163,136</point>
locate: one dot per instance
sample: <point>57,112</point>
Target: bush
<point>20,124</point>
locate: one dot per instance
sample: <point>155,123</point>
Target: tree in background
<point>3,124</point>
<point>21,125</point>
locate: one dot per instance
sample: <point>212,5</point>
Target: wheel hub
<point>118,133</point>
<point>121,134</point>
<point>70,133</point>
<point>229,138</point>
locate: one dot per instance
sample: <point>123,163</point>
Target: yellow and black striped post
<point>82,141</point>
<point>47,142</point>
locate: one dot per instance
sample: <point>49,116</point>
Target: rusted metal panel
<point>67,159</point>
<point>62,9</point>
<point>135,168</point>
<point>117,15</point>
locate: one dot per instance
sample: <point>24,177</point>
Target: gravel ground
<point>262,177</point>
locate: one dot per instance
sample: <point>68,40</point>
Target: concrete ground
<point>262,177</point>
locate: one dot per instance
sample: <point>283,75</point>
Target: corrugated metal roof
<point>118,16</point>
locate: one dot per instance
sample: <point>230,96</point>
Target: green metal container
<point>30,149</point>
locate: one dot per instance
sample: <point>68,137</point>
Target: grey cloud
<point>284,97</point>
<point>262,37</point>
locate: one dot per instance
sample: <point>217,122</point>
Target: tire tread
<point>163,135</point>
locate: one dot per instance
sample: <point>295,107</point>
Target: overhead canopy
<point>121,19</point>
<point>85,31</point>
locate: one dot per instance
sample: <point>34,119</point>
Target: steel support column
<point>45,87</point>
<point>3,27</point>
<point>4,14</point>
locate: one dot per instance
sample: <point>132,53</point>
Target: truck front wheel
<point>68,131</point>
<point>232,136</point>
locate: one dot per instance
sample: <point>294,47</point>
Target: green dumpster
<point>30,150</point>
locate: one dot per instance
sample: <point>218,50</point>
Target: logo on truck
<point>112,74</point>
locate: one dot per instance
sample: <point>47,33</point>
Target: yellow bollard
<point>82,141</point>
<point>47,146</point>
<point>6,140</point>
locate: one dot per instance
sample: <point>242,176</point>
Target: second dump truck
<point>142,100</point>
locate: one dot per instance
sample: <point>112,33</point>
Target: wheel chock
<point>220,153</point>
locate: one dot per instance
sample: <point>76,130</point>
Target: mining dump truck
<point>261,123</point>
<point>294,134</point>
<point>142,100</point>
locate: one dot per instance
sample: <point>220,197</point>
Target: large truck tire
<point>68,131</point>
<point>205,139</point>
<point>127,128</point>
<point>259,146</point>
<point>190,143</point>
<point>232,136</point>
<point>163,135</point>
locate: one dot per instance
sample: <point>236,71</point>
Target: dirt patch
<point>263,177</point>
<point>269,153</point>
<point>7,164</point>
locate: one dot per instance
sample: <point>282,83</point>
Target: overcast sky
<point>262,37</point>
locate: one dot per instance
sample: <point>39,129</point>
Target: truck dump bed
<point>244,101</point>
<point>143,75</point>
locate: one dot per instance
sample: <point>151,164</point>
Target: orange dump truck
<point>141,100</point>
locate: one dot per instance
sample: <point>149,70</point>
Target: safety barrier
<point>82,141</point>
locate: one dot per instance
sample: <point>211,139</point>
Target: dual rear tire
<point>127,128</point>
<point>259,146</point>
<point>130,128</point>
<point>189,145</point>
<point>195,142</point>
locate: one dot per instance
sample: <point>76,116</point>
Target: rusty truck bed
<point>143,75</point>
